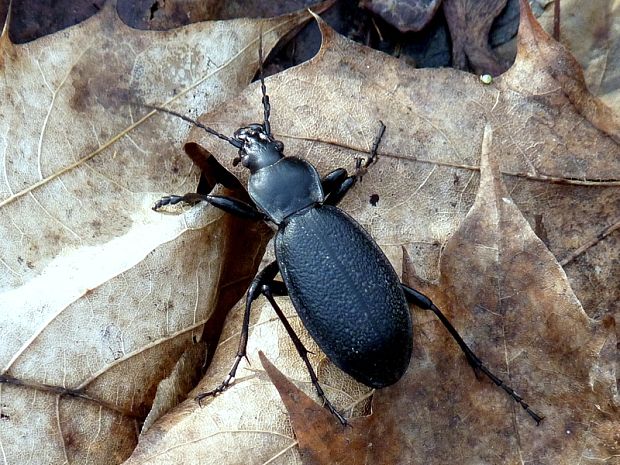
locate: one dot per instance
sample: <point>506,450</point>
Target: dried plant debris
<point>100,295</point>
<point>470,22</point>
<point>406,15</point>
<point>464,221</point>
<point>514,238</point>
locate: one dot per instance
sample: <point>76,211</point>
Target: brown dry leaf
<point>406,15</point>
<point>100,296</point>
<point>470,22</point>
<point>322,438</point>
<point>557,150</point>
<point>527,321</point>
<point>503,288</point>
<point>248,424</point>
<point>591,30</point>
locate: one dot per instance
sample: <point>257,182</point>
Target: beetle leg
<point>264,276</point>
<point>228,204</point>
<point>333,180</point>
<point>420,300</point>
<point>361,168</point>
<point>338,194</point>
<point>336,184</point>
<point>303,353</point>
<point>375,145</point>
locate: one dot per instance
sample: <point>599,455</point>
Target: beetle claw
<point>361,168</point>
<point>169,200</point>
<point>327,404</point>
<point>214,392</point>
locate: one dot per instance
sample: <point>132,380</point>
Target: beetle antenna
<point>266,105</point>
<point>232,141</point>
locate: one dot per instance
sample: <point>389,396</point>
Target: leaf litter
<point>102,296</point>
<point>554,145</point>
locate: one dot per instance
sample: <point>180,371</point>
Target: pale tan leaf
<point>591,30</point>
<point>100,296</point>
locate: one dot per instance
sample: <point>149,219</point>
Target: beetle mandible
<point>349,297</point>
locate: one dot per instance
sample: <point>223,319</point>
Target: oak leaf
<point>101,298</point>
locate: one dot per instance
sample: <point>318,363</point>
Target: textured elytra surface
<point>347,295</point>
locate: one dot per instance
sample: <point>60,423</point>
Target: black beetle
<point>343,287</point>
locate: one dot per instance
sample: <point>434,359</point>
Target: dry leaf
<point>100,296</point>
<point>322,438</point>
<point>559,168</point>
<point>556,147</point>
<point>591,30</point>
<point>527,321</point>
<point>470,23</point>
<point>247,424</point>
<point>503,289</point>
<point>406,15</point>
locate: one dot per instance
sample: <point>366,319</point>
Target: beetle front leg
<point>420,300</point>
<point>336,184</point>
<point>332,180</point>
<point>303,353</point>
<point>338,194</point>
<point>228,204</point>
<point>264,276</point>
<point>360,169</point>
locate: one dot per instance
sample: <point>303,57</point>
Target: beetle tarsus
<point>225,384</point>
<point>190,198</point>
<point>167,200</point>
<point>375,144</point>
<point>362,168</point>
<point>511,392</point>
<point>343,421</point>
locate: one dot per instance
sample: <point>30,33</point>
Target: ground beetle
<point>343,287</point>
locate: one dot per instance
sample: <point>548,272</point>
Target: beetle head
<point>259,149</point>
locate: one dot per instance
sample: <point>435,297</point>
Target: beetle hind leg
<point>302,351</point>
<point>420,300</point>
<point>264,276</point>
<point>265,284</point>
